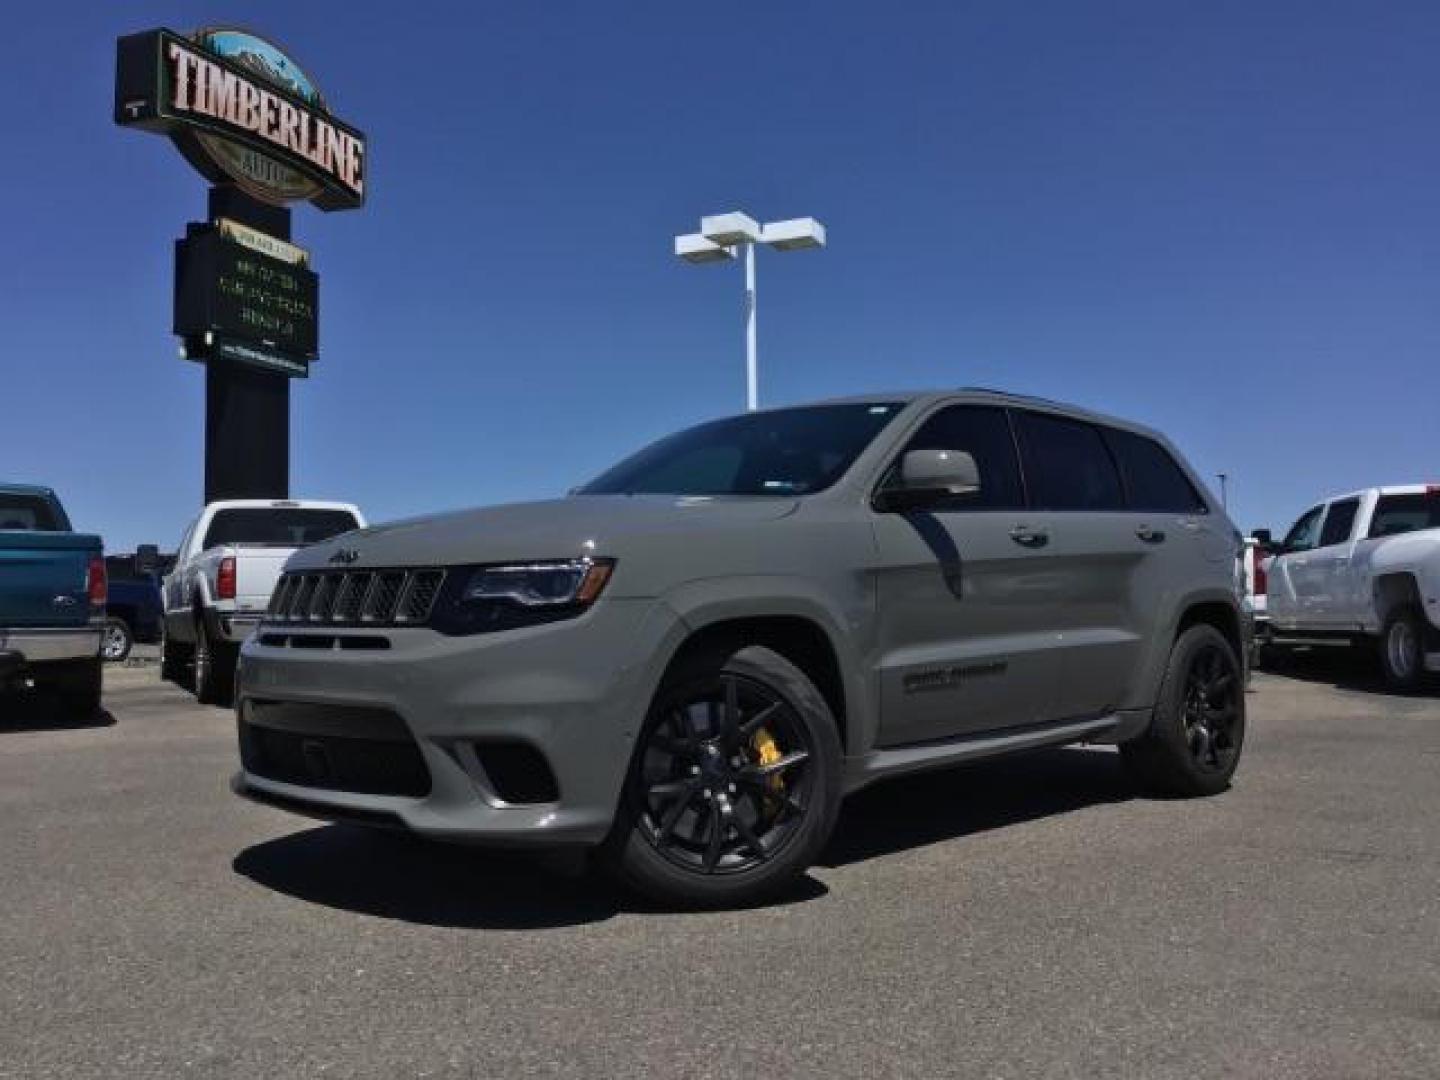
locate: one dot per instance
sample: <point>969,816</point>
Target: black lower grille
<point>337,748</point>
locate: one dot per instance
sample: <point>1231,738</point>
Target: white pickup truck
<point>225,570</point>
<point>1364,568</point>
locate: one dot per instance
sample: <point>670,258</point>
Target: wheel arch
<point>1395,590</point>
<point>800,638</point>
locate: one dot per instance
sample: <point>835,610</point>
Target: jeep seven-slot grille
<point>354,597</point>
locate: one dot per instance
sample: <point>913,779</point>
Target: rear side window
<point>1339,521</point>
<point>27,513</point>
<point>1395,514</point>
<point>277,526</point>
<point>1067,466</point>
<point>1153,479</point>
<point>983,432</point>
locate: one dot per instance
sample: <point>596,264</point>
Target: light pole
<point>1224,500</point>
<point>721,237</point>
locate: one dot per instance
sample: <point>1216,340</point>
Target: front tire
<point>214,667</point>
<point>174,658</point>
<point>116,640</point>
<point>1402,649</point>
<point>734,786</point>
<point>1192,746</point>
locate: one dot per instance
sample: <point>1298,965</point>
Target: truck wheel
<point>734,786</point>
<point>1197,728</point>
<point>1402,649</point>
<point>214,668</point>
<point>116,640</point>
<point>78,685</point>
<point>174,657</point>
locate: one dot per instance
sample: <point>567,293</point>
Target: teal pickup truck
<point>52,600</point>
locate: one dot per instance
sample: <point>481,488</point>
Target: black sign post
<point>247,410</point>
<point>246,299</point>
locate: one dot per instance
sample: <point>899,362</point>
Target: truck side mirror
<point>147,560</point>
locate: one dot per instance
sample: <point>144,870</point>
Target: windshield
<point>277,526</point>
<point>785,452</point>
<point>27,513</point>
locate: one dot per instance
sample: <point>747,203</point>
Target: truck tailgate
<point>257,569</point>
<point>42,578</point>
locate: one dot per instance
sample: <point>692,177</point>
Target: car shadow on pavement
<point>1342,668</point>
<point>394,875</point>
<point>930,808</point>
<point>34,710</point>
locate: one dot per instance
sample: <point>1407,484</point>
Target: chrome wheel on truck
<point>115,640</point>
<point>734,787</point>
<point>1401,649</point>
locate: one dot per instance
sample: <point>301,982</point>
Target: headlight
<point>483,599</point>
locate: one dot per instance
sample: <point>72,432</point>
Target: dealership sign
<point>242,112</point>
<point>259,308</point>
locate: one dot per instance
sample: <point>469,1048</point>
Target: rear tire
<point>79,685</point>
<point>1402,649</point>
<point>214,667</point>
<point>734,786</point>
<point>1197,729</point>
<point>116,640</point>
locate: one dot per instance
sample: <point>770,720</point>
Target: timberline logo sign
<point>241,111</point>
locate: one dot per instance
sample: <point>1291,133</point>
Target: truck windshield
<point>277,526</point>
<point>1395,514</point>
<point>27,513</point>
<point>784,452</point>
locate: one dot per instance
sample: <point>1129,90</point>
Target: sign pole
<point>247,412</point>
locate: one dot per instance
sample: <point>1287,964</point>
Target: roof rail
<point>1012,394</point>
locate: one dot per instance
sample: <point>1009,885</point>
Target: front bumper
<point>575,691</point>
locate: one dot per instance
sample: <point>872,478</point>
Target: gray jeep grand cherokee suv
<point>689,661</point>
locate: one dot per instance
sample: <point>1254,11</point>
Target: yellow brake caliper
<point>767,752</point>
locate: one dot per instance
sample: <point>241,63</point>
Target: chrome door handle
<point>1149,535</point>
<point>1028,537</point>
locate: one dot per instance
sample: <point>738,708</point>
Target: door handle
<point>1028,537</point>
<point>1149,535</point>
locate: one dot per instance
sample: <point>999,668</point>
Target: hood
<point>554,529</point>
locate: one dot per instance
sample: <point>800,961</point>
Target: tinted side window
<point>983,432</point>
<point>1395,514</point>
<point>1338,522</point>
<point>1305,532</point>
<point>1067,466</point>
<point>1153,481</point>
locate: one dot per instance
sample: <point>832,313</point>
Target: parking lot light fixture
<point>720,238</point>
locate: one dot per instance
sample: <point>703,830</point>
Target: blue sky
<point>1220,218</point>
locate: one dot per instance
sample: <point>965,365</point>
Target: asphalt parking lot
<point>1015,919</point>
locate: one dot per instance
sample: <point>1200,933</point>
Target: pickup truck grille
<point>355,598</point>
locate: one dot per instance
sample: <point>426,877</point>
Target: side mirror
<point>147,559</point>
<point>926,477</point>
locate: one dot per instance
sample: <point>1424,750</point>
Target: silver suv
<point>688,662</point>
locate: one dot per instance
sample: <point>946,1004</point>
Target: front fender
<point>843,621</point>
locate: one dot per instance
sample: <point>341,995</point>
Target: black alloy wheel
<point>1197,728</point>
<point>734,784</point>
<point>724,781</point>
<point>1211,709</point>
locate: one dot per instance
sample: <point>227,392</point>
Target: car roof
<point>990,396</point>
<point>1383,489</point>
<point>25,489</point>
